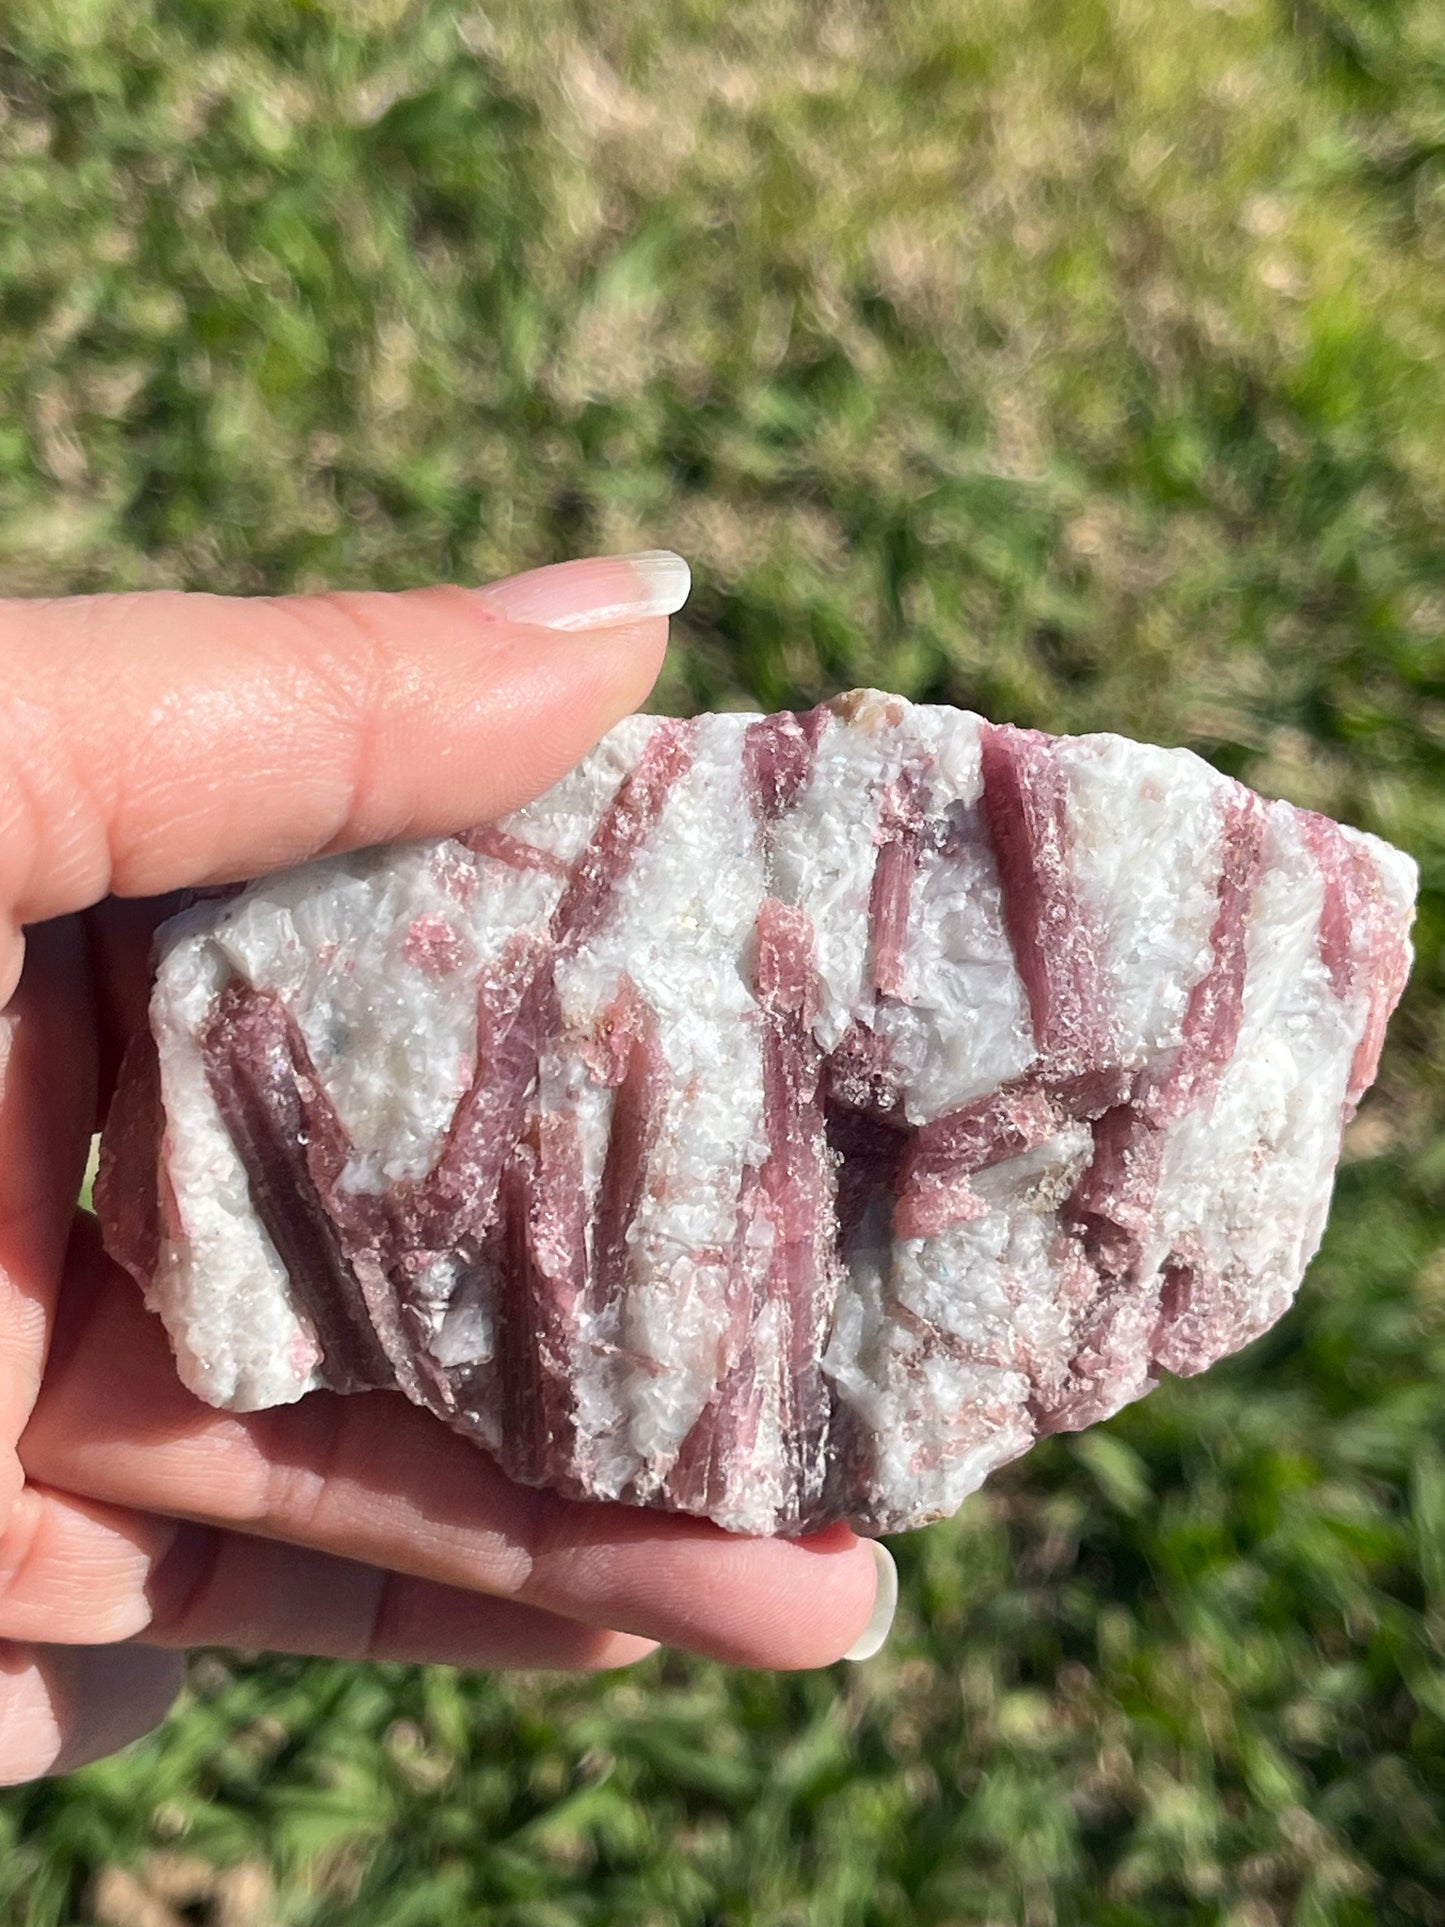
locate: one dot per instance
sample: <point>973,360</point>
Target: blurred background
<point>1082,363</point>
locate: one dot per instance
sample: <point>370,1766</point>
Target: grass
<point>1084,364</point>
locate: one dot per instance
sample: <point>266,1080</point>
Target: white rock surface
<point>784,1119</point>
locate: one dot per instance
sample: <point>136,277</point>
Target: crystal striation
<point>785,1119</point>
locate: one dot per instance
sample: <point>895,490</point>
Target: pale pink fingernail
<point>885,1605</point>
<point>596,592</point>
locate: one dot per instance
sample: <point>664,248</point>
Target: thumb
<point>156,740</point>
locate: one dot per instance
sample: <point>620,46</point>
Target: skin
<point>154,742</point>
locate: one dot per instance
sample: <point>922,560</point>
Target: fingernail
<point>885,1605</point>
<point>596,592</point>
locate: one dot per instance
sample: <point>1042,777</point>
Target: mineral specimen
<point>785,1119</point>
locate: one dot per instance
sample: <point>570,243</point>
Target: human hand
<point>154,742</point>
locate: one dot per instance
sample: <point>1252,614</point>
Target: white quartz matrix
<point>785,1119</point>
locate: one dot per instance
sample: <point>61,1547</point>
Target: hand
<point>151,742</point>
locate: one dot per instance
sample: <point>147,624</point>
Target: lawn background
<point>1084,363</point>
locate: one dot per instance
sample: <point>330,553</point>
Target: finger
<point>375,1479</point>
<point>151,741</point>
<point>63,1706</point>
<point>44,1053</point>
<point>222,1588</point>
<point>73,1571</point>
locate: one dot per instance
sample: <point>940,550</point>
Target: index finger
<point>156,740</point>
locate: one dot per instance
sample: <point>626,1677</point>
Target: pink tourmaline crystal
<point>785,1119</point>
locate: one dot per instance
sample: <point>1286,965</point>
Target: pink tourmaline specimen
<point>786,1119</point>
